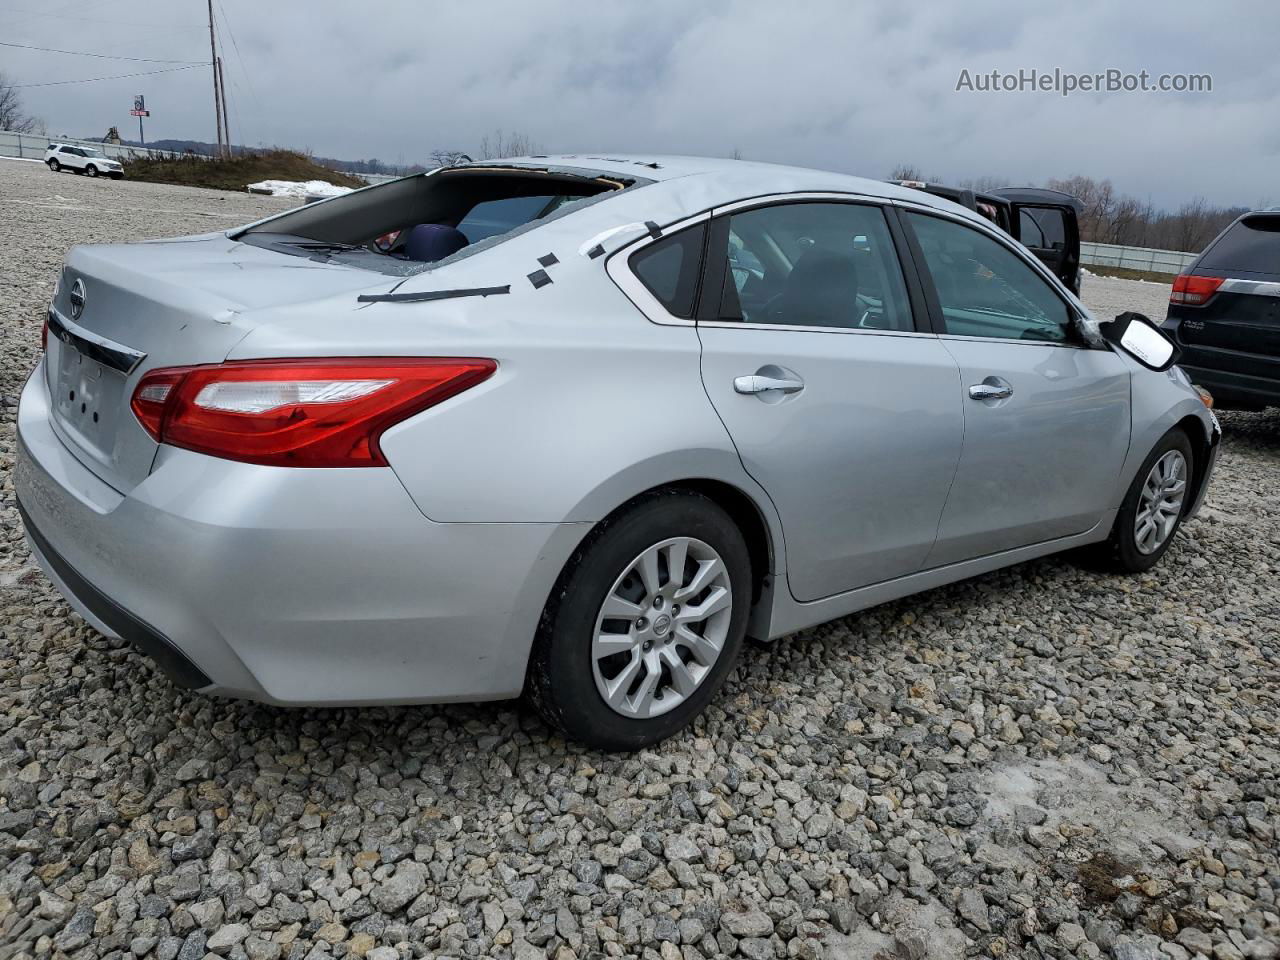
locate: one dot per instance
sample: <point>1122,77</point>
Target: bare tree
<point>448,158</point>
<point>1193,227</point>
<point>497,145</point>
<point>12,116</point>
<point>1123,220</point>
<point>1110,217</point>
<point>905,171</point>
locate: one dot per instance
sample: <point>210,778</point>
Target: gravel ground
<point>1043,762</point>
<point>1108,296</point>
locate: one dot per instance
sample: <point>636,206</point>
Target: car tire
<point>580,652</point>
<point>55,166</point>
<point>91,170</point>
<point>1153,507</point>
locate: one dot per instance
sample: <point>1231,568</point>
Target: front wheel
<point>55,166</point>
<point>91,170</point>
<point>1152,509</point>
<point>644,625</point>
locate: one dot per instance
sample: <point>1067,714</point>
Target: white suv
<point>82,160</point>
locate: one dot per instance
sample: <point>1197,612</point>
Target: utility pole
<point>217,86</point>
<point>226,114</point>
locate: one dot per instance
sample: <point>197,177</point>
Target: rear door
<point>1052,234</point>
<point>1046,419</point>
<point>840,407</point>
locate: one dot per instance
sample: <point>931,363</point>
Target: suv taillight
<point>297,413</point>
<point>1194,291</point>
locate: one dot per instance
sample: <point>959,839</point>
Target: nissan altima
<point>574,427</point>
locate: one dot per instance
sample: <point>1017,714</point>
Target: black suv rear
<point>1225,314</point>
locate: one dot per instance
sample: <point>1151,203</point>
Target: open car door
<point>1047,223</point>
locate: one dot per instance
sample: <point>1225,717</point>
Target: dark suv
<point>1225,314</point>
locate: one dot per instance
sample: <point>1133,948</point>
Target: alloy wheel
<point>1160,504</point>
<point>662,627</point>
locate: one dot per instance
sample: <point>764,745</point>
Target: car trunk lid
<point>123,310</point>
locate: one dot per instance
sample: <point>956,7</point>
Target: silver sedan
<point>575,427</point>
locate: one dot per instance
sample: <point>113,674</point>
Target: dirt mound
<point>236,173</point>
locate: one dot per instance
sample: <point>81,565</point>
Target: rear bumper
<point>1262,391</point>
<point>109,617</point>
<point>287,586</point>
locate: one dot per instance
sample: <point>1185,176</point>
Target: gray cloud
<point>825,83</point>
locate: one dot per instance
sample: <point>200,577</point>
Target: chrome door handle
<point>759,384</point>
<point>990,391</point>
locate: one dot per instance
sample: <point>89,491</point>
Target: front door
<point>1046,419</point>
<point>840,408</point>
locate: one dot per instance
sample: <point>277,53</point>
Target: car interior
<point>825,265</point>
<point>983,290</point>
<point>426,219</point>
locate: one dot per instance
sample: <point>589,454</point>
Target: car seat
<point>429,242</point>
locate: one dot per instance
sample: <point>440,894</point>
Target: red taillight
<point>1194,291</point>
<point>44,334</point>
<point>296,413</point>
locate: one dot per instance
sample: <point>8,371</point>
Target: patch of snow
<point>23,159</point>
<point>298,189</point>
<point>1141,817</point>
<point>901,920</point>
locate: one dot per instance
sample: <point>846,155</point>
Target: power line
<point>243,69</point>
<point>235,46</point>
<point>103,56</point>
<point>118,76</point>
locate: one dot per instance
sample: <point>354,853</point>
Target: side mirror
<point>1143,340</point>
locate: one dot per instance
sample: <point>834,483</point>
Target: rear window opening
<point>410,225</point>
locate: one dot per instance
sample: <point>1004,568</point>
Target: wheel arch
<point>749,510</point>
<point>1161,405</point>
<point>1201,450</point>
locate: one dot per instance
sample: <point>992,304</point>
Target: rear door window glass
<point>1042,228</point>
<point>1251,246</point>
<point>814,265</point>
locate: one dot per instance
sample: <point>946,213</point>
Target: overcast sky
<point>857,87</point>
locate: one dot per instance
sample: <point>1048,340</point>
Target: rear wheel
<point>1153,507</point>
<point>54,165</point>
<point>91,170</point>
<point>644,625</point>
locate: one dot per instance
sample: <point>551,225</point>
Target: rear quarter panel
<point>590,405</point>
